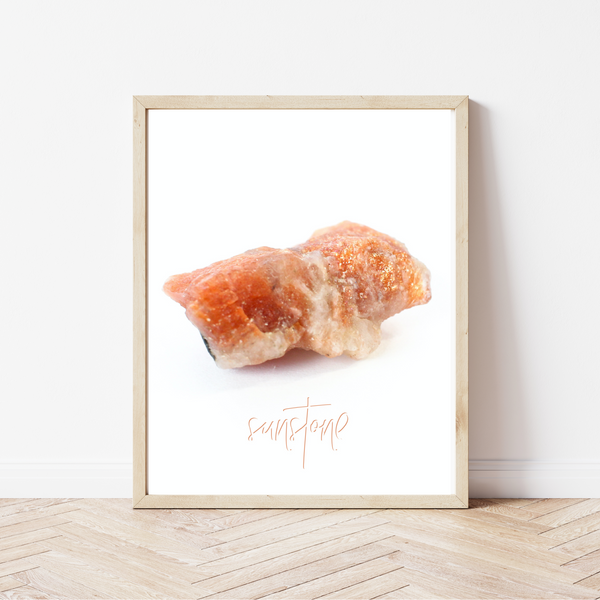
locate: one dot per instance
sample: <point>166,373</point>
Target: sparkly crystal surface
<point>329,294</point>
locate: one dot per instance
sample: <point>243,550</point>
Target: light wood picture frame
<point>143,107</point>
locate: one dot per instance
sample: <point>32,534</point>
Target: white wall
<point>69,70</point>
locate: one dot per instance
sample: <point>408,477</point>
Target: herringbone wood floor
<point>496,549</point>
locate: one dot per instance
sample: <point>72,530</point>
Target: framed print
<point>300,301</point>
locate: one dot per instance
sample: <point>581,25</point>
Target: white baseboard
<point>533,479</point>
<point>66,480</point>
<point>487,479</point>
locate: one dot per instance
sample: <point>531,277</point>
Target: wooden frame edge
<point>139,301</point>
<point>303,102</point>
<point>141,105</point>
<point>308,501</point>
<point>462,300</point>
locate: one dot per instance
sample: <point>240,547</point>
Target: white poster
<point>221,182</point>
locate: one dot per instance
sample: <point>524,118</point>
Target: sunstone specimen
<point>329,295</point>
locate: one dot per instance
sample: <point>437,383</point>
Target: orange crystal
<point>329,295</point>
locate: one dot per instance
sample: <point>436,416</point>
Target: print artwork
<point>301,305</point>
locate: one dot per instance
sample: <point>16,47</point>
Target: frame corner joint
<point>137,503</point>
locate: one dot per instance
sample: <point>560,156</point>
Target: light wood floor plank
<point>27,506</point>
<point>543,507</point>
<point>292,560</point>
<point>476,572</point>
<point>506,559</point>
<point>132,553</point>
<point>14,566</point>
<point>340,580</point>
<point>37,513</point>
<point>589,564</point>
<point>26,592</point>
<point>434,587</point>
<point>31,525</point>
<point>580,546</point>
<point>521,514</point>
<point>501,520</point>
<point>62,549</point>
<point>21,539</point>
<point>10,501</point>
<point>379,585</point>
<point>54,585</point>
<point>20,552</point>
<point>574,529</point>
<point>275,522</point>
<point>9,583</point>
<point>257,540</point>
<point>248,516</point>
<point>109,517</point>
<point>516,502</point>
<point>592,583</point>
<point>287,546</point>
<point>302,574</point>
<point>485,534</point>
<point>209,514</point>
<point>200,514</point>
<point>169,546</point>
<point>73,568</point>
<point>198,523</point>
<point>415,592</point>
<point>569,514</point>
<point>138,574</point>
